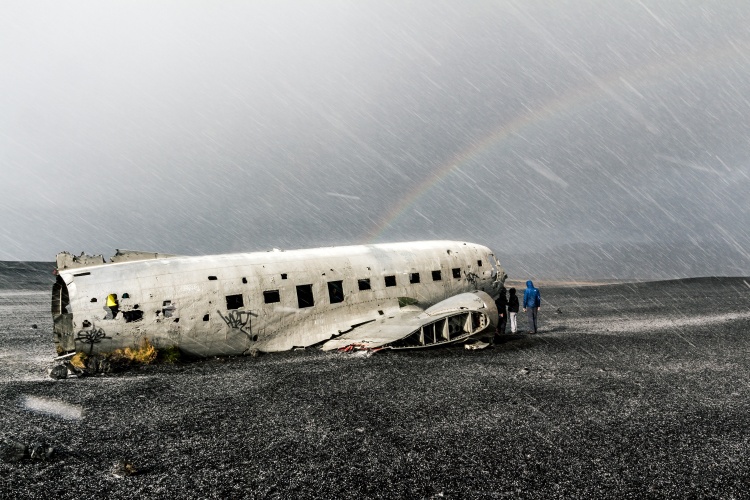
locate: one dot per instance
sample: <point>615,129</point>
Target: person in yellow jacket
<point>113,305</point>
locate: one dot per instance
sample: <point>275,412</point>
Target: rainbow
<point>571,101</point>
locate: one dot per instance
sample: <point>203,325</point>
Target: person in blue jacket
<point>532,300</point>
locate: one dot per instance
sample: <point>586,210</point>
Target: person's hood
<point>529,284</point>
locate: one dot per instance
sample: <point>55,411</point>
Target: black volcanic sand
<point>634,390</point>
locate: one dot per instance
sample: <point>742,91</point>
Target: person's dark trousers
<point>502,323</point>
<point>531,316</point>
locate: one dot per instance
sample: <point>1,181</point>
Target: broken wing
<point>455,319</point>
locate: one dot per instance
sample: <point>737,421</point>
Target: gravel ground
<point>631,390</point>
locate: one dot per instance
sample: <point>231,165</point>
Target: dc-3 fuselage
<point>399,295</point>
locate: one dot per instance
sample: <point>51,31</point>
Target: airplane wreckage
<point>397,296</point>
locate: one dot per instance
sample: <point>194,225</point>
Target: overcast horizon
<point>532,127</point>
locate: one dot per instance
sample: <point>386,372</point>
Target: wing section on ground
<point>455,319</point>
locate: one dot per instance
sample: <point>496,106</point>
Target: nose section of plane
<point>493,278</point>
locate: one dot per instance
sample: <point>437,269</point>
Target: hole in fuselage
<point>62,317</point>
<point>60,297</point>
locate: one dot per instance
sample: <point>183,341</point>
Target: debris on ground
<point>58,372</point>
<point>477,345</point>
<point>124,468</point>
<point>39,450</point>
<point>12,450</point>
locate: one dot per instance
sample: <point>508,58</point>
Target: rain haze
<point>577,139</point>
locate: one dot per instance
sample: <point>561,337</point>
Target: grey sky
<point>206,127</point>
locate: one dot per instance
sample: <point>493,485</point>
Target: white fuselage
<point>269,301</point>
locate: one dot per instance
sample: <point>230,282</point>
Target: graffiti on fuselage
<point>240,320</point>
<point>91,336</point>
<point>472,278</point>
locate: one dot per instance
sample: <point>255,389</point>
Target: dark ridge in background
<point>21,275</point>
<point>629,261</point>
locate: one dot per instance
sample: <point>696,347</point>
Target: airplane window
<point>437,275</point>
<point>212,278</point>
<point>205,317</point>
<point>234,301</point>
<point>456,272</point>
<point>244,280</point>
<point>336,291</point>
<point>479,263</point>
<point>283,276</point>
<point>390,281</point>
<point>364,283</point>
<point>414,278</point>
<point>167,309</point>
<point>305,296</point>
<point>271,296</point>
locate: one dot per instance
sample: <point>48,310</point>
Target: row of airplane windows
<point>335,290</point>
<point>304,294</point>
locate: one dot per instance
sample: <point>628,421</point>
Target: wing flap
<point>378,333</point>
